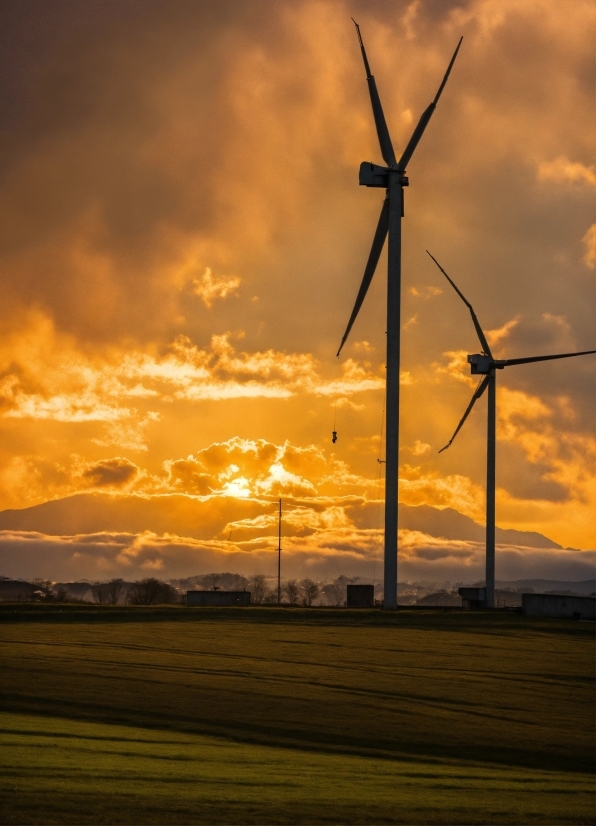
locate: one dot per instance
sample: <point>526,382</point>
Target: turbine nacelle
<point>371,174</point>
<point>481,364</point>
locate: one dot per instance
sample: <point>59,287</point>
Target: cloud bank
<point>324,554</point>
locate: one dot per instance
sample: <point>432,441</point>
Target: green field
<point>260,715</point>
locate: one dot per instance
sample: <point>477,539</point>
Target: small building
<point>361,596</point>
<point>218,598</point>
<point>472,597</point>
<point>559,605</point>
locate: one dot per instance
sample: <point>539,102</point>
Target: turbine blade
<point>382,130</point>
<point>478,328</point>
<point>509,362</point>
<point>371,265</point>
<point>416,135</point>
<point>448,72</point>
<point>425,117</point>
<point>477,393</point>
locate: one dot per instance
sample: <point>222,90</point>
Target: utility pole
<point>279,556</point>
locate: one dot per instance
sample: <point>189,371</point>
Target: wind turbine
<point>485,364</point>
<point>392,178</point>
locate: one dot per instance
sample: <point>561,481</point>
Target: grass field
<point>175,715</point>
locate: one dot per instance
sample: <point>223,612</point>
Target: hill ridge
<point>86,513</point>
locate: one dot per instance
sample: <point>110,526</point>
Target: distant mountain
<point>181,515</point>
<point>543,586</point>
<point>450,524</point>
<point>90,513</point>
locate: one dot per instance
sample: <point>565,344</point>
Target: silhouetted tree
<point>291,591</point>
<point>224,582</point>
<point>107,593</point>
<point>335,593</point>
<point>115,589</point>
<point>309,591</point>
<point>211,581</point>
<point>44,588</point>
<point>259,590</point>
<point>151,591</point>
<point>99,591</point>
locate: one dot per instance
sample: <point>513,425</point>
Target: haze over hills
<point>187,516</point>
<point>98,536</point>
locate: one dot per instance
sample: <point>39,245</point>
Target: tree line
<point>152,591</point>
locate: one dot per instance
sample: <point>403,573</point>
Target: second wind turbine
<point>392,178</point>
<point>484,364</point>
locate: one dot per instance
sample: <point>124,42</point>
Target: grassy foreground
<point>175,715</point>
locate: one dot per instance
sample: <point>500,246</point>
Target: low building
<point>360,596</point>
<point>218,598</point>
<point>472,597</point>
<point>559,605</point>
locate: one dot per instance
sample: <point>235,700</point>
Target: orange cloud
<point>589,242</point>
<point>495,337</point>
<point>209,287</point>
<point>561,169</point>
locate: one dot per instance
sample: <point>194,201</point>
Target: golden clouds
<point>425,292</point>
<point>495,337</point>
<point>457,367</point>
<point>457,492</point>
<point>420,448</point>
<point>243,467</point>
<point>561,169</point>
<point>589,242</point>
<point>209,287</point>
<point>565,458</point>
<point>45,377</point>
<point>150,191</point>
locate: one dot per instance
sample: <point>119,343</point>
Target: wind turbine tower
<point>484,364</point>
<point>392,178</point>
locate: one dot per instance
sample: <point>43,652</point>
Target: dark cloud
<point>115,473</point>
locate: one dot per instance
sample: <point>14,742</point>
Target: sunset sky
<point>183,236</point>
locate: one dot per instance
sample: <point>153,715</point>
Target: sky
<point>182,237</point>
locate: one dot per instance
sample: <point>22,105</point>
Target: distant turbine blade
<point>382,131</point>
<point>479,331</point>
<point>477,393</point>
<point>371,265</point>
<point>509,362</point>
<point>425,117</point>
